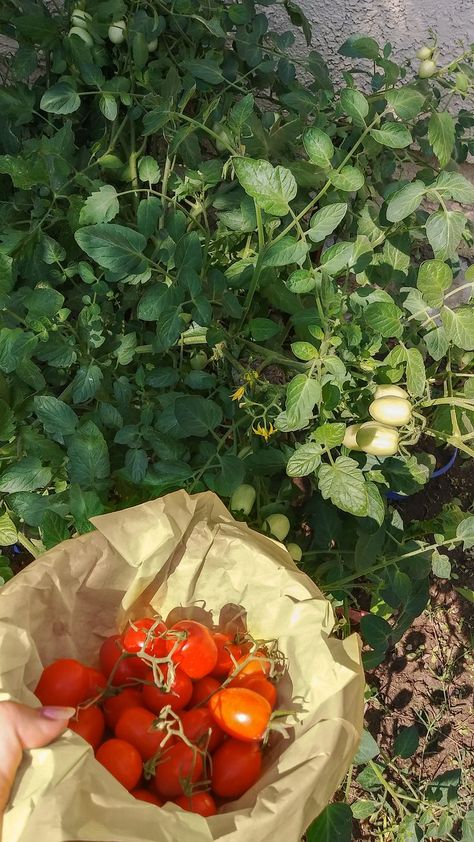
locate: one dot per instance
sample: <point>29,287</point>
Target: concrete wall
<point>405,23</point>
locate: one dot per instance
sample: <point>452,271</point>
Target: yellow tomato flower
<point>263,430</point>
<point>238,394</point>
<point>251,376</point>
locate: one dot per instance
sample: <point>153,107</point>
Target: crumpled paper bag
<point>177,550</point>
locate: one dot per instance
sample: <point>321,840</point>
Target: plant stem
<point>27,544</point>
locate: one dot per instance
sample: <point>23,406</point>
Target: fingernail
<point>57,712</point>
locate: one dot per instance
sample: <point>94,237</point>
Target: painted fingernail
<point>51,712</point>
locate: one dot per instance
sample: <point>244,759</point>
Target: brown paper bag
<point>176,550</point>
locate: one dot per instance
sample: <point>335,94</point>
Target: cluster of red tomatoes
<point>176,713</point>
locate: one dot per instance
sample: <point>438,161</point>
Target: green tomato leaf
<point>114,247</point>
<point>459,326</point>
<point>355,105</point>
<point>384,318</point>
<point>108,106</point>
<point>416,375</point>
<point>271,187</point>
<point>367,749</point>
<point>334,824</point>
<point>393,135</point>
<point>444,230</point>
<point>318,147</point>
<point>301,396</point>
<point>407,102</point>
<point>27,474</point>
<point>304,460</point>
<point>302,281</point>
<point>285,251</point>
<point>330,435</point>
<point>465,531</point>
<point>405,201</point>
<point>326,220</point>
<point>304,351</point>
<point>343,483</point>
<point>240,113</point>
<point>86,383</point>
<point>7,421</point>
<point>468,827</point>
<point>406,742</point>
<point>338,258</point>
<point>205,70</point>
<point>437,343</point>
<point>434,279</point>
<point>55,415</point>
<point>101,206</point>
<point>136,464</point>
<point>54,529</point>
<point>197,416</point>
<point>453,185</point>
<point>360,46</point>
<point>441,135</point>
<point>148,212</point>
<point>349,179</point>
<point>88,456</point>
<point>440,565</point>
<point>8,533</point>
<point>148,170</point>
<point>62,98</point>
<point>262,329</point>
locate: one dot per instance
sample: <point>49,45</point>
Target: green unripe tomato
<point>81,19</point>
<point>243,499</point>
<point>152,45</point>
<point>386,389</point>
<point>198,361</point>
<point>426,69</point>
<point>424,53</point>
<point>82,34</point>
<point>278,525</point>
<point>462,82</point>
<point>377,440</point>
<point>295,551</point>
<point>222,145</point>
<point>116,31</point>
<point>393,411</point>
<point>110,162</point>
<point>349,439</point>
<point>185,318</point>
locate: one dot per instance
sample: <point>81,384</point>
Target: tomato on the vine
<point>146,795</point>
<point>114,706</point>
<point>97,682</point>
<point>201,728</point>
<point>192,648</point>
<point>122,761</point>
<point>203,689</point>
<point>128,670</point>
<point>259,684</point>
<point>136,727</point>
<point>258,664</point>
<point>240,712</point>
<point>201,803</point>
<point>89,723</point>
<point>178,768</point>
<point>135,637</point>
<point>64,682</point>
<point>225,650</point>
<point>236,766</point>
<point>177,697</point>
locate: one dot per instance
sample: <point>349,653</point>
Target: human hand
<point>22,727</point>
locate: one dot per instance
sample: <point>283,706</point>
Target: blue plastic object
<point>392,495</point>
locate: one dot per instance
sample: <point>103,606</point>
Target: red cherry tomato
<point>236,766</point>
<point>89,723</point>
<point>136,727</point>
<point>254,665</point>
<point>196,653</point>
<point>97,683</point>
<point>135,637</point>
<point>178,767</point>
<point>64,683</point>
<point>201,803</point>
<point>146,795</point>
<point>122,760</point>
<point>203,689</point>
<point>201,728</point>
<point>225,648</point>
<point>241,713</point>
<point>178,697</point>
<point>114,706</point>
<point>128,671</point>
<point>259,684</point>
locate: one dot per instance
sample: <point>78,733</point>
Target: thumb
<point>36,727</point>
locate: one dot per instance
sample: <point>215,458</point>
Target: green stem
<point>387,787</point>
<point>26,543</point>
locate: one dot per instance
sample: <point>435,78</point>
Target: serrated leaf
<point>330,435</point>
<point>262,329</point>
<point>54,529</point>
<point>301,396</point>
<point>27,474</point>
<point>434,279</point>
<point>55,415</point>
<point>468,827</point>
<point>88,456</point>
<point>304,460</point>
<point>136,463</point>
<point>459,326</point>
<point>148,170</point>
<point>407,102</point>
<point>384,318</point>
<point>441,135</point>
<point>197,416</point>
<point>444,230</point>
<point>101,206</point>
<point>376,506</point>
<point>343,483</point>
<point>416,375</point>
<point>318,147</point>
<point>348,179</point>
<point>326,220</point>
<point>240,113</point>
<point>114,247</point>
<point>86,383</point>
<point>405,201</point>
<point>393,135</point>
<point>108,106</point>
<point>406,742</point>
<point>437,343</point>
<point>271,187</point>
